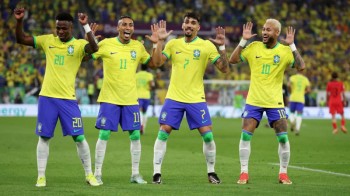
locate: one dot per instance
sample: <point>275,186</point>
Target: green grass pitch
<point>320,161</point>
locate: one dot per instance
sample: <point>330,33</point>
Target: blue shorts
<point>110,115</point>
<point>273,114</point>
<point>144,103</point>
<point>197,114</point>
<point>67,111</point>
<point>296,106</point>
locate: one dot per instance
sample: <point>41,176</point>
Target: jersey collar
<point>67,41</point>
<point>277,44</point>
<point>194,39</point>
<point>122,42</point>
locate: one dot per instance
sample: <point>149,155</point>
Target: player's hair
<point>192,15</point>
<point>64,16</point>
<point>124,16</point>
<point>334,75</point>
<point>275,23</point>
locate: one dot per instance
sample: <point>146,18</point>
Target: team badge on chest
<point>196,54</point>
<point>276,59</point>
<point>133,54</point>
<point>70,50</point>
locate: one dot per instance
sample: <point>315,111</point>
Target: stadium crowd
<point>322,37</point>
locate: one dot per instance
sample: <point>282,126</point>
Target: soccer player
<point>144,84</point>
<point>118,98</point>
<point>57,98</point>
<point>189,56</point>
<point>267,61</point>
<point>336,100</point>
<point>299,85</point>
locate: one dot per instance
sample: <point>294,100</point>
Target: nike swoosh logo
<point>52,47</point>
<point>114,52</point>
<point>204,121</point>
<point>257,57</point>
<point>76,130</point>
<point>177,52</point>
<point>135,125</point>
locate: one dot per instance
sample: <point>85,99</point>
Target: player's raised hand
<point>289,36</point>
<point>154,37</point>
<point>94,28</point>
<point>19,13</point>
<point>247,31</point>
<point>220,37</point>
<point>162,34</point>
<point>83,18</point>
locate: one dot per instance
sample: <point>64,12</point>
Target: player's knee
<point>246,136</point>
<point>134,135</point>
<point>208,136</point>
<point>163,135</point>
<point>282,137</point>
<point>104,134</point>
<point>78,138</point>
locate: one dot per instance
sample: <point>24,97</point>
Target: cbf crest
<point>196,54</point>
<point>163,116</point>
<point>133,54</point>
<point>276,59</point>
<point>70,50</point>
<point>103,121</point>
<point>40,126</point>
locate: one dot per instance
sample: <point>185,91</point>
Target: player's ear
<point>199,27</point>
<point>183,26</point>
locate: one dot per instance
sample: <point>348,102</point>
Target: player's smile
<point>127,34</point>
<point>189,31</point>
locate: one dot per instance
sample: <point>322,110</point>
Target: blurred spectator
<point>322,34</point>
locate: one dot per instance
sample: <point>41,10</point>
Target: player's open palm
<point>289,36</point>
<point>162,33</point>
<point>19,13</point>
<point>220,37</point>
<point>83,18</point>
<point>154,37</point>
<point>247,31</point>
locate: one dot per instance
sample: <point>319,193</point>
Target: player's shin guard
<point>100,150</point>
<point>159,151</point>
<point>244,150</point>
<point>283,151</point>
<point>42,154</point>
<point>209,150</point>
<point>84,154</point>
<point>135,150</point>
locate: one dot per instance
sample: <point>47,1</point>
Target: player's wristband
<point>87,28</point>
<point>242,43</point>
<point>293,47</point>
<point>222,47</point>
<point>154,46</point>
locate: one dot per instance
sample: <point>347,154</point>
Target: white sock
<point>159,152</point>
<point>298,123</point>
<point>42,154</point>
<point>84,155</point>
<point>284,155</point>
<point>144,122</point>
<point>291,118</point>
<point>141,117</point>
<point>100,152</point>
<point>244,154</point>
<point>209,150</point>
<point>135,150</point>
